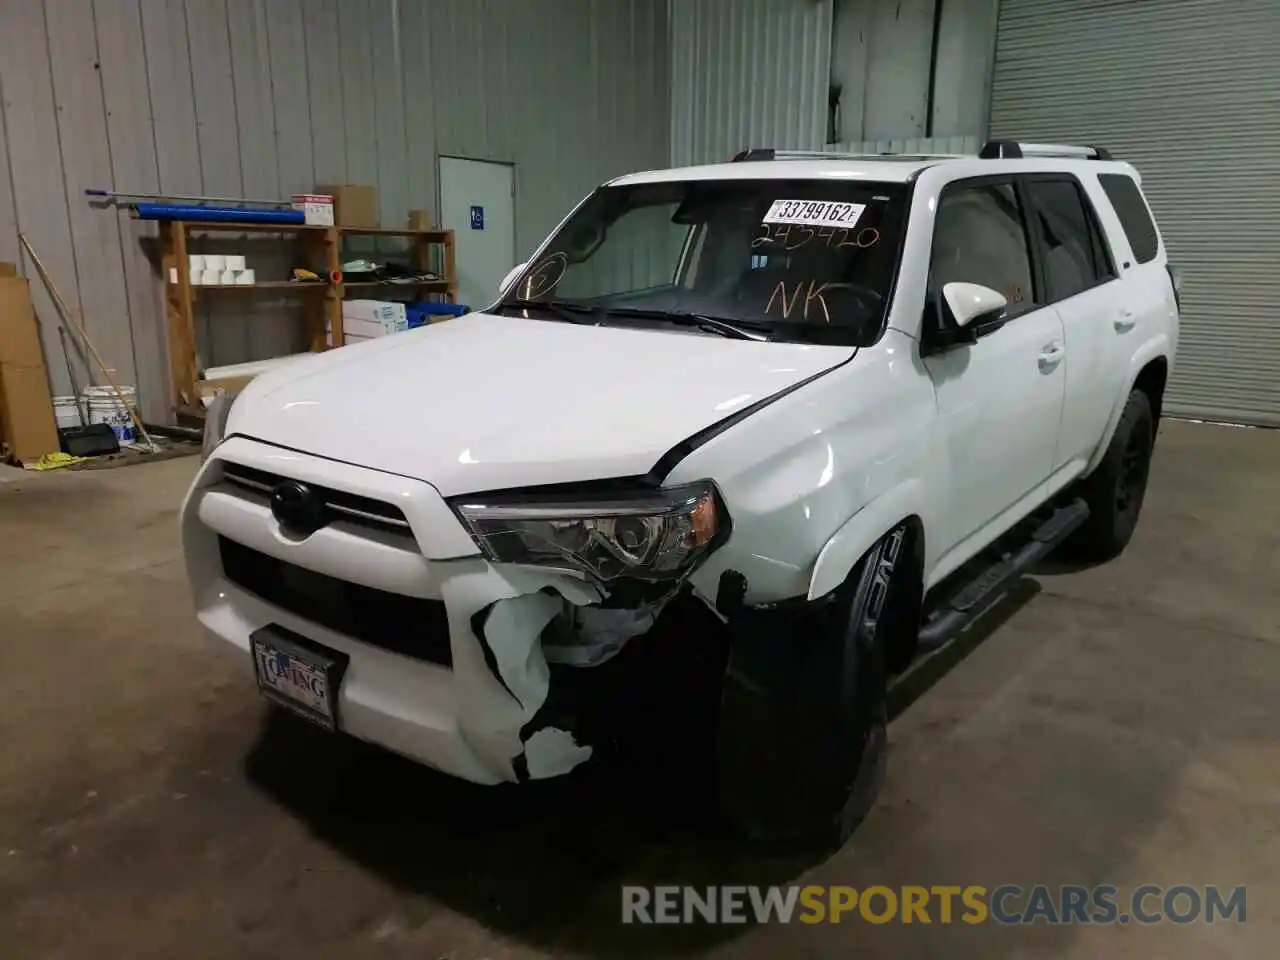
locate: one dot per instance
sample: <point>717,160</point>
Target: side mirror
<point>970,302</point>
<point>511,276</point>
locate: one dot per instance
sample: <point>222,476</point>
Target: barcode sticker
<point>814,213</point>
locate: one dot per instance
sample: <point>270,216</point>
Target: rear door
<point>1081,281</point>
<point>999,399</point>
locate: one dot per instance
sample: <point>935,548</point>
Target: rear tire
<point>1115,491</point>
<point>803,761</point>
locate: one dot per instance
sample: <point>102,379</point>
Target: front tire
<point>803,745</point>
<point>1115,491</point>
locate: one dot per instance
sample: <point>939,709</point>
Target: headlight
<point>651,535</point>
<point>215,423</point>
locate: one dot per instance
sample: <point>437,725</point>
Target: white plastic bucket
<point>105,407</point>
<point>66,410</point>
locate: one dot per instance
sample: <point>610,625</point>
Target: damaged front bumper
<point>543,672</point>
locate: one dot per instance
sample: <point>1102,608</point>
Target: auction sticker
<point>814,213</point>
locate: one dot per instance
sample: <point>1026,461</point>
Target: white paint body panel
<point>485,402</point>
<point>853,442</point>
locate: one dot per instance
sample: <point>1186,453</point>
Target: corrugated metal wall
<point>916,145</point>
<point>880,60</point>
<point>748,73</point>
<point>1189,92</point>
<point>269,97</point>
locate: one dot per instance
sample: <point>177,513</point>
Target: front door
<point>999,399</point>
<point>477,202</point>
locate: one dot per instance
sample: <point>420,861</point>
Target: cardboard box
<point>317,208</point>
<point>353,205</point>
<point>387,312</point>
<point>27,425</point>
<point>419,220</point>
<point>366,319</point>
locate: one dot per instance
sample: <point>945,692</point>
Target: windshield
<point>810,260</point>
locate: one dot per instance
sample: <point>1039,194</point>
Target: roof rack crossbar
<point>1012,149</point>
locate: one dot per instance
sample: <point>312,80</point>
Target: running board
<point>978,593</point>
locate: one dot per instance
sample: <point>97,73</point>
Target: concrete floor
<point>1121,726</point>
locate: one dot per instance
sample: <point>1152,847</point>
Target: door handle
<point>1125,322</point>
<point>1051,356</point>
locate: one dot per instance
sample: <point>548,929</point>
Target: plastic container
<point>66,411</point>
<point>105,407</point>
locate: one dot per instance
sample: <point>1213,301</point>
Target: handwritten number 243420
<point>793,237</point>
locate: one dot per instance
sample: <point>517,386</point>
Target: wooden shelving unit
<point>320,249</point>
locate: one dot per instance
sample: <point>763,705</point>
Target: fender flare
<point>1153,349</point>
<point>860,532</point>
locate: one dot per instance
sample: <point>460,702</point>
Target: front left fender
<point>860,532</point>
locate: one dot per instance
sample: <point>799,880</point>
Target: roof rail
<point>1012,150</point>
<point>768,153</point>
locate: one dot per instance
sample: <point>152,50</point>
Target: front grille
<point>338,504</point>
<point>409,626</point>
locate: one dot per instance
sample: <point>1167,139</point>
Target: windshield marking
<point>788,301</point>
<point>864,239</point>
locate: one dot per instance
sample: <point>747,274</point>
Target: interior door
<point>999,399</point>
<point>477,202</point>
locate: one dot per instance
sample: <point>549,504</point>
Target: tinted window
<point>979,237</point>
<point>1127,200</point>
<point>1073,256</point>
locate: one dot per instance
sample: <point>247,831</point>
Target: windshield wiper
<point>560,309</point>
<point>702,321</point>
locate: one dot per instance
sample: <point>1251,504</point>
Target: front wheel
<point>1115,491</point>
<point>803,741</point>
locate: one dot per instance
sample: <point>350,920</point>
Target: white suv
<point>735,444</point>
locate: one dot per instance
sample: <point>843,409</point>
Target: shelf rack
<point>322,300</point>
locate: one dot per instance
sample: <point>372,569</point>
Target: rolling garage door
<point>1189,92</point>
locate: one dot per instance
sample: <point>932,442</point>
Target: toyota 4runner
<point>735,445</point>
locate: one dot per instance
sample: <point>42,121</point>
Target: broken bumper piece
<point>490,717</point>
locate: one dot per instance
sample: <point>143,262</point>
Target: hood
<point>485,402</point>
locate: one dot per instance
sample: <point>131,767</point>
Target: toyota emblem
<point>297,508</point>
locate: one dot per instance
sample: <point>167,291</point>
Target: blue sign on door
<point>477,218</point>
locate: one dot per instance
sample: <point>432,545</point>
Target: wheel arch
<point>1148,372</point>
<point>850,543</point>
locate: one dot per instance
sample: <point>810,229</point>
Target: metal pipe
<point>933,68</point>
<point>113,196</point>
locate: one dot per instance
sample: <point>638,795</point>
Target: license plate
<point>299,674</point>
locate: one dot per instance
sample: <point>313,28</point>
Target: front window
<point>810,260</point>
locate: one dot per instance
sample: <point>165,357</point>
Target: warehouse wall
<point>747,73</point>
<point>267,97</point>
<point>881,51</point>
<point>757,72</point>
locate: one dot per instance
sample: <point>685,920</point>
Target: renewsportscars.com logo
<point>1008,904</point>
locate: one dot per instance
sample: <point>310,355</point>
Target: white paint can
<point>66,411</point>
<point>105,407</point>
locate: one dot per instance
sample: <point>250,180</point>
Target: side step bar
<point>977,594</point>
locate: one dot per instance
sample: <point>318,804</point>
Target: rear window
<point>1132,211</point>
